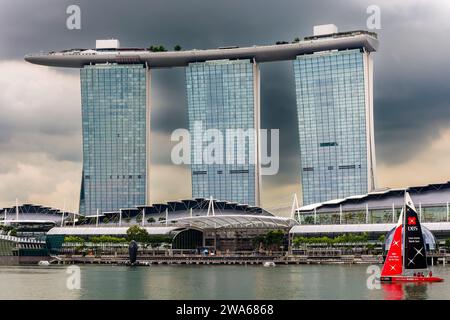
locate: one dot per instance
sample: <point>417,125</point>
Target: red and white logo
<point>412,221</point>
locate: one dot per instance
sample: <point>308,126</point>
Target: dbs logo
<point>412,221</point>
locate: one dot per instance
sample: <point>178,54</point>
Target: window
<point>238,171</point>
<point>328,144</point>
<point>349,166</point>
<point>308,169</point>
<point>199,172</point>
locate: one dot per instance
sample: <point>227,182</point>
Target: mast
<point>414,244</point>
<point>17,209</point>
<point>404,235</point>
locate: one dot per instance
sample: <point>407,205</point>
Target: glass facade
<point>114,116</point>
<point>223,95</point>
<point>333,91</point>
<point>435,213</point>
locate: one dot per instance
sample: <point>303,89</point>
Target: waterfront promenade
<point>148,260</point>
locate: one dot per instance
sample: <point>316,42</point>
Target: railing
<point>19,240</point>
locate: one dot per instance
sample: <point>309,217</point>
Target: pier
<point>235,260</point>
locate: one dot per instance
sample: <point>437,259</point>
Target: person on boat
<point>430,274</point>
<point>415,274</point>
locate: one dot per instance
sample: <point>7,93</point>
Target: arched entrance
<point>188,239</point>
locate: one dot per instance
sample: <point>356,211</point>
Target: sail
<point>394,264</point>
<point>415,252</point>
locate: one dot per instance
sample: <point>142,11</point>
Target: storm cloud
<point>40,112</point>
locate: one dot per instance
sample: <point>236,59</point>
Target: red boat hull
<point>410,279</point>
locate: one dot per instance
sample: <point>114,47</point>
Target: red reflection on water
<point>400,291</point>
<point>393,291</point>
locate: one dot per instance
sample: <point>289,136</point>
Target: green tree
<point>73,239</point>
<point>157,240</point>
<point>151,220</point>
<point>137,234</point>
<point>177,48</point>
<point>258,240</point>
<point>447,243</point>
<point>7,229</point>
<point>274,238</point>
<point>107,239</point>
<point>271,240</point>
<point>159,48</point>
<point>309,220</point>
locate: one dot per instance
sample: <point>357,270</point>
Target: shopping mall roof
<point>175,210</point>
<point>99,231</point>
<point>175,225</point>
<point>77,58</point>
<point>235,221</point>
<point>197,213</point>
<point>425,195</point>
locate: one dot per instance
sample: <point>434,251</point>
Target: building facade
<point>223,95</point>
<point>115,123</point>
<point>377,212</point>
<point>223,92</point>
<point>335,123</point>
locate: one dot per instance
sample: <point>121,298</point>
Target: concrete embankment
<point>215,260</point>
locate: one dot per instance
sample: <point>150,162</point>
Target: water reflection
<point>393,291</point>
<point>408,291</point>
<point>416,291</point>
<point>212,282</point>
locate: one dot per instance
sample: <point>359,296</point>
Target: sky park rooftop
<point>77,58</point>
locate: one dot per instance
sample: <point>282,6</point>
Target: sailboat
<point>406,260</point>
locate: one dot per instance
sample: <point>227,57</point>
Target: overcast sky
<point>40,116</point>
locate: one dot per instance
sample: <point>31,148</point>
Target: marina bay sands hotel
<point>334,91</point>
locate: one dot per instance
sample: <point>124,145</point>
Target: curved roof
<point>32,213</point>
<point>78,58</point>
<point>235,221</point>
<point>426,195</point>
<point>99,231</point>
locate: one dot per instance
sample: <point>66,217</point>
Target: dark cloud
<point>412,71</point>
